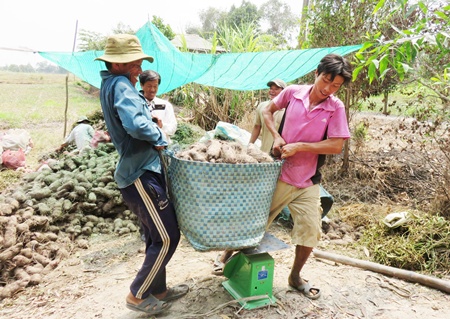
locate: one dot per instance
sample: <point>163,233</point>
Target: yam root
<point>35,279</point>
<point>10,252</point>
<point>37,222</point>
<point>228,154</point>
<point>6,209</point>
<point>44,237</point>
<point>26,252</point>
<point>10,289</point>
<point>44,261</point>
<point>22,276</point>
<point>197,156</point>
<point>21,261</point>
<point>213,150</point>
<point>259,155</point>
<point>10,236</point>
<point>35,269</point>
<point>231,152</point>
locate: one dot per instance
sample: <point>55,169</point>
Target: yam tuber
<point>10,236</point>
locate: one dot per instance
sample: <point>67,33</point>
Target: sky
<point>49,25</point>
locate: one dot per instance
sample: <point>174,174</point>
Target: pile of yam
<point>55,208</point>
<point>224,151</point>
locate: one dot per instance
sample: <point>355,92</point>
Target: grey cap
<point>278,82</point>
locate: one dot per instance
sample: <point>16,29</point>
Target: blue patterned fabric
<point>219,205</point>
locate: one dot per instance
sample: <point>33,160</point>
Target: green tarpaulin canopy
<point>235,71</point>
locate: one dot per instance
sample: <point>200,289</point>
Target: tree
<point>210,18</point>
<point>94,41</point>
<point>332,23</point>
<point>419,54</point>
<point>90,40</point>
<point>245,14</point>
<point>280,19</point>
<point>240,39</point>
<point>420,51</point>
<point>164,28</point>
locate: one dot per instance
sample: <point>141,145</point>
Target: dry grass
<point>422,244</point>
<point>37,102</point>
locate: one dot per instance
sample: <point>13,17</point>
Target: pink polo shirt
<point>326,120</point>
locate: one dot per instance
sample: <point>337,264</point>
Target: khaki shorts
<point>305,209</point>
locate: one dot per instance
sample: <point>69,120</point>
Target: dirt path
<point>93,283</point>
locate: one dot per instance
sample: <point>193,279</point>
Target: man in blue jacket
<point>139,173</point>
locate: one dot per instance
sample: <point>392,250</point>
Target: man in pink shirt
<point>315,125</point>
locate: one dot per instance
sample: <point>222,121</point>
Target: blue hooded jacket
<point>129,123</point>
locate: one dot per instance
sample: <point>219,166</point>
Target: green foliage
<point>423,244</point>
<point>360,131</point>
<point>9,177</point>
<point>208,105</point>
<point>184,47</point>
<point>164,28</point>
<point>360,134</point>
<point>210,18</point>
<point>241,39</point>
<point>243,15</point>
<point>271,11</point>
<point>90,40</point>
<point>187,134</point>
<point>278,31</point>
<point>418,51</point>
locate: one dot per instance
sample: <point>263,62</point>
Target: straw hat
<point>123,48</point>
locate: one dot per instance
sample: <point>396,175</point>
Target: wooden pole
<point>67,105</point>
<point>433,282</point>
<point>67,83</point>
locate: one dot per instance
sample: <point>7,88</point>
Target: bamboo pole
<point>433,282</point>
<point>67,83</point>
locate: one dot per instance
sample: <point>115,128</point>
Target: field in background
<point>37,102</point>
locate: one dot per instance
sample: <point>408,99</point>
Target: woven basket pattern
<point>219,205</point>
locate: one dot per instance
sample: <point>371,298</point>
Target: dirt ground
<point>93,283</point>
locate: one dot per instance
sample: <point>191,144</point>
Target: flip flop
<point>176,292</point>
<point>308,291</point>
<point>151,306</point>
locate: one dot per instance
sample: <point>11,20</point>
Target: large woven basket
<point>219,205</point>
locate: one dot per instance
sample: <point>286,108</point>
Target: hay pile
<point>422,244</point>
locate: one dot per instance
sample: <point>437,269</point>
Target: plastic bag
<point>13,159</point>
<point>100,137</point>
<point>15,139</point>
<point>228,131</point>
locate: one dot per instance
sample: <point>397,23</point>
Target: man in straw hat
<point>139,173</point>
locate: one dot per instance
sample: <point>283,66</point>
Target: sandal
<point>150,305</point>
<point>218,266</point>
<point>308,291</point>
